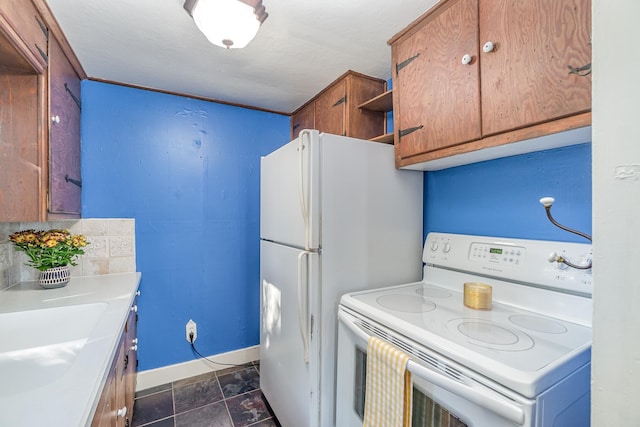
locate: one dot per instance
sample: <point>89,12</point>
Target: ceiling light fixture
<point>227,23</point>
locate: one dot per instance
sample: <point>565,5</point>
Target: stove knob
<point>446,248</point>
<point>434,246</point>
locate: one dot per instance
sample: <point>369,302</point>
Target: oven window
<point>426,412</point>
<point>359,382</point>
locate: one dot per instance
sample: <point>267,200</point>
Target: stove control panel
<point>512,256</point>
<point>512,259</point>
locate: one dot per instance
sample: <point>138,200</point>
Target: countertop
<point>65,394</point>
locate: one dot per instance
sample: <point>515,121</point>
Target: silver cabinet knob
<point>466,59</point>
<point>55,119</point>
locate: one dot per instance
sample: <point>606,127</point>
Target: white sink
<point>38,346</point>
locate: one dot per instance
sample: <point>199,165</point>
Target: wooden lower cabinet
<point>106,414</point>
<point>115,407</point>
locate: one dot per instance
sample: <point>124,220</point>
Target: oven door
<point>444,393</point>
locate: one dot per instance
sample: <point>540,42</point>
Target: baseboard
<point>166,374</point>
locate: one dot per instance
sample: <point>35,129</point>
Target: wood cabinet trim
<point>526,133</point>
<point>8,30</point>
<point>419,21</point>
<point>56,31</point>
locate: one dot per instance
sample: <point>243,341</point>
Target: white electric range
<point>525,362</point>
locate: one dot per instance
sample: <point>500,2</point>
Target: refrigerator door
<point>289,196</point>
<point>288,348</point>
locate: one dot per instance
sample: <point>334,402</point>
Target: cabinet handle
<point>585,70</point>
<point>73,96</point>
<point>73,181</point>
<point>134,347</point>
<point>55,119</point>
<point>340,101</point>
<point>466,59</point>
<point>122,412</point>
<point>134,308</point>
<point>488,47</point>
<point>138,293</point>
<point>134,341</point>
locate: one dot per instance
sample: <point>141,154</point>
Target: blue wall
<point>501,197</point>
<point>188,171</point>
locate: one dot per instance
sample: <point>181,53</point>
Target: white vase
<point>55,277</point>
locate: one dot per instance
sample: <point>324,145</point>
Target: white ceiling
<point>302,47</point>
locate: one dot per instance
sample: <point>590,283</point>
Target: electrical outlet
<point>191,329</point>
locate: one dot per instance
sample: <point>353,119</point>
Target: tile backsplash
<point>111,248</point>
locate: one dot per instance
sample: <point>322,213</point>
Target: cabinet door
<point>20,171</point>
<point>64,134</point>
<point>436,96</point>
<point>122,412</point>
<point>330,109</point>
<point>526,79</point>
<point>303,119</point>
<point>131,348</point>
<point>24,20</point>
<point>105,415</point>
<point>362,123</point>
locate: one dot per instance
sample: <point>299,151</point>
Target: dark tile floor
<point>225,398</point>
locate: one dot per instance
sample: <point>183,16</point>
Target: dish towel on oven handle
<point>389,389</point>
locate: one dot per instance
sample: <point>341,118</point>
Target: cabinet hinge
<point>340,101</point>
<point>73,96</point>
<point>583,71</point>
<point>43,27</point>
<point>404,63</point>
<point>73,181</point>
<point>407,131</point>
<point>44,55</point>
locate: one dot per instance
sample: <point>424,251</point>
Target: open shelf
<point>382,102</point>
<point>387,138</point>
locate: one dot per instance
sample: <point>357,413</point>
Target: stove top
<point>532,337</point>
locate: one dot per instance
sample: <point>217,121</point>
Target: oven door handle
<point>473,392</point>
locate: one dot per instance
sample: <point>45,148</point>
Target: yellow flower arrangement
<point>49,248</point>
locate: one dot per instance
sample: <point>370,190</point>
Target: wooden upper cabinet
<point>330,111</point>
<point>526,78</point>
<point>336,109</point>
<point>23,161</point>
<point>304,118</point>
<point>21,20</point>
<point>21,172</point>
<point>40,118</point>
<point>64,134</point>
<point>436,96</point>
<point>454,92</point>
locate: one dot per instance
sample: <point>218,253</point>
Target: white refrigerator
<point>335,217</point>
